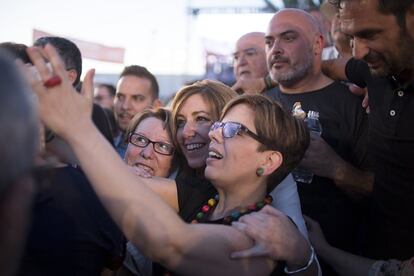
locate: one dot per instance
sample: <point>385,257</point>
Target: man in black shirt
<point>383,39</point>
<point>293,46</point>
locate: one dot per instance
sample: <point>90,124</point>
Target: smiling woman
<point>150,145</point>
<point>149,222</point>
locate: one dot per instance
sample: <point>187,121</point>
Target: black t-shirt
<point>344,128</point>
<point>391,148</point>
<point>71,233</point>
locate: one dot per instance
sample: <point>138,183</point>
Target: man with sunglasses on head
<point>294,46</point>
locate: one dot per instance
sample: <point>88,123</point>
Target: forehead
<point>241,113</point>
<point>250,41</point>
<point>357,16</point>
<point>194,103</point>
<point>101,90</point>
<point>290,21</point>
<point>133,85</point>
<point>153,128</point>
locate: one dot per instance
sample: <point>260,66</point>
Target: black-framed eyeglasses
<point>141,141</point>
<point>231,129</point>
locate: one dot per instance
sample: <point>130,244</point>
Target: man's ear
<point>156,103</point>
<point>318,44</point>
<point>273,160</point>
<point>72,75</point>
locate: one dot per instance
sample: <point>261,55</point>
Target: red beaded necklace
<point>235,215</point>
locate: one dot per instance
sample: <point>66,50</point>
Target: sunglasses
<point>231,129</point>
<point>141,141</point>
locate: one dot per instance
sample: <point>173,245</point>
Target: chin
<point>210,173</point>
<point>196,163</point>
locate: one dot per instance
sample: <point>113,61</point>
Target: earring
<point>259,171</point>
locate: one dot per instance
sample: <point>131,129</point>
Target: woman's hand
<point>61,108</point>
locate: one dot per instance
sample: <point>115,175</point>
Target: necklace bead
<point>235,215</point>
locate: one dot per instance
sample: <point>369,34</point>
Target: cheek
<point>204,130</point>
<point>179,136</point>
<point>131,154</point>
<point>165,163</point>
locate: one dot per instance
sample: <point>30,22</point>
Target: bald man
<point>293,50</point>
<point>249,64</point>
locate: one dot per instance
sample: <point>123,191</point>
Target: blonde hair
<point>215,93</point>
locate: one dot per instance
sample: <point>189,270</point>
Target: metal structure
<point>268,7</point>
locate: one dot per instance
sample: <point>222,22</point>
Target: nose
<point>216,135</point>
<point>359,48</point>
<point>275,48</point>
<point>242,60</point>
<point>125,104</point>
<point>148,151</point>
<point>189,129</point>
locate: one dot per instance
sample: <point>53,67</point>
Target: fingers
<point>255,251</point>
<point>57,63</point>
<point>39,62</point>
<point>87,85</point>
<point>271,211</point>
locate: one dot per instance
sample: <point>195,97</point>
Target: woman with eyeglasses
<point>150,152</point>
<point>150,147</point>
<point>255,146</point>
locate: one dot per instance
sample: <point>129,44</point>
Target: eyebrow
<point>200,112</point>
<point>283,33</point>
<point>245,50</point>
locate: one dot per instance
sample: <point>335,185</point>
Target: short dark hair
<point>280,131</point>
<point>19,129</point>
<point>67,50</point>
<point>142,72</point>
<point>111,89</point>
<point>17,50</point>
<point>396,7</point>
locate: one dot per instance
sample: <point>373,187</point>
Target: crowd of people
<point>103,180</point>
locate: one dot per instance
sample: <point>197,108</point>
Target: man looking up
<point>293,47</point>
<point>136,90</point>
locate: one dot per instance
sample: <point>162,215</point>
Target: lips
<point>213,153</point>
<point>146,168</point>
<point>194,146</point>
<point>278,61</point>
<point>244,73</point>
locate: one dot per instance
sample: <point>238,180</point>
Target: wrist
<point>303,264</point>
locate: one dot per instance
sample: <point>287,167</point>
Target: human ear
<point>273,160</point>
<point>72,75</point>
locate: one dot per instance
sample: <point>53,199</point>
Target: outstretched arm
<point>143,216</point>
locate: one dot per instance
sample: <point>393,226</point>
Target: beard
<point>296,72</point>
<point>399,64</point>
